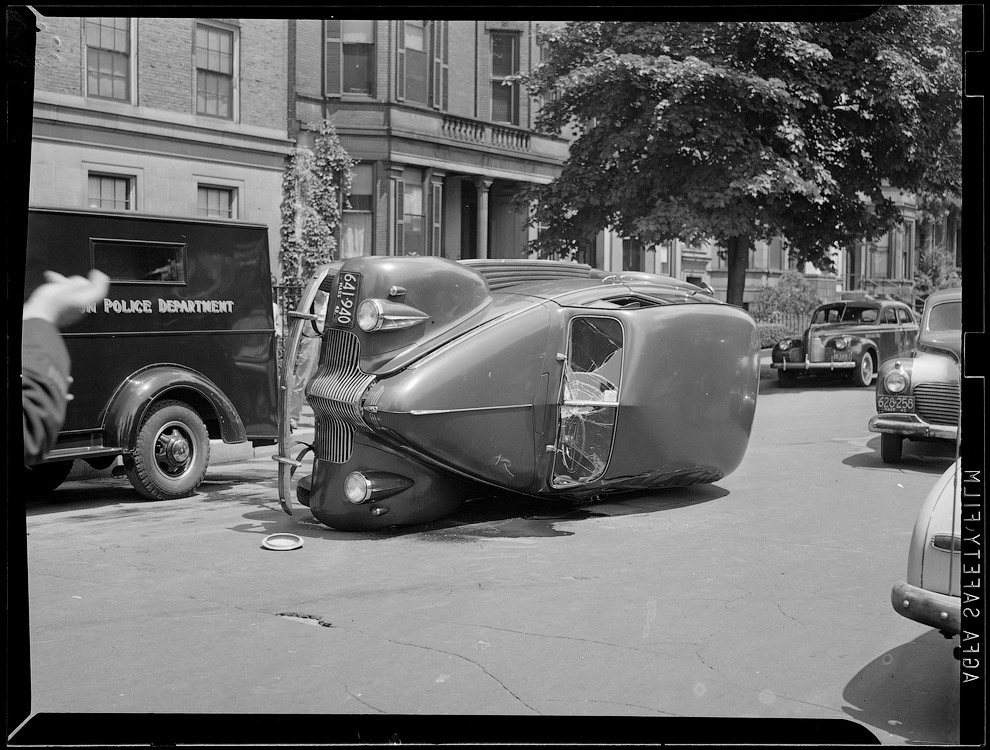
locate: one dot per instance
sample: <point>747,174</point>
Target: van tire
<point>44,479</point>
<point>171,452</point>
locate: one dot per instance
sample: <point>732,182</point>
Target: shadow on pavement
<point>911,691</point>
<point>928,458</point>
<point>494,516</point>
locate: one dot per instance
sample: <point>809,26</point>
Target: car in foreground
<point>851,336</point>
<point>440,381</point>
<point>918,395</point>
<point>930,593</point>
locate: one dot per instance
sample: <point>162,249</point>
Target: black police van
<point>181,351</point>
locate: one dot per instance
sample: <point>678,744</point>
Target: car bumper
<point>806,365</point>
<point>911,425</point>
<point>939,611</point>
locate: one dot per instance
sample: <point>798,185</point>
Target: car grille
<point>816,349</point>
<point>335,395</point>
<point>937,403</point>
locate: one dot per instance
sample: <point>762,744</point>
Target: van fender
<point>139,391</point>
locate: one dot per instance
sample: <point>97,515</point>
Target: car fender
<point>130,402</point>
<point>859,344</point>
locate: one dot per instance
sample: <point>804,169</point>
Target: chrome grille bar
<point>938,403</point>
<point>335,395</point>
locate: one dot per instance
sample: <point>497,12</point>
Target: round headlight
<point>840,343</point>
<point>784,345</point>
<point>370,315</point>
<point>357,489</point>
<point>895,381</point>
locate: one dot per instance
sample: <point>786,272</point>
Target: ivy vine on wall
<point>315,187</point>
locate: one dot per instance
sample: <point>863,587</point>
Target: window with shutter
<point>437,219</point>
<point>333,53</point>
<point>400,224</point>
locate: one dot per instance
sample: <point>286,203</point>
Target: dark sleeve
<point>44,386</point>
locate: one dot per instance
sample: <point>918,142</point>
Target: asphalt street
<point>765,595</point>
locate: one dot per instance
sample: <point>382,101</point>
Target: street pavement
<point>763,596</point>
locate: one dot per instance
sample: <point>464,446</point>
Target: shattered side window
<point>590,395</point>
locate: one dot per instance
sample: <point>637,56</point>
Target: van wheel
<point>171,452</point>
<point>862,375</point>
<point>43,479</point>
<point>890,448</point>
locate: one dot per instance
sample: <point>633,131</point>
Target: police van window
<point>140,262</point>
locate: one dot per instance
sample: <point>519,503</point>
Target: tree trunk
<point>737,255</point>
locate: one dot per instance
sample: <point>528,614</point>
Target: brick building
<point>195,117</point>
<point>169,116</point>
<point>442,135</point>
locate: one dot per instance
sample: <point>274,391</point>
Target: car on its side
<point>850,336</point>
<point>440,381</point>
<point>930,592</point>
<point>918,394</point>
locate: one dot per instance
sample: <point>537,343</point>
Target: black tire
<point>44,479</point>
<point>786,379</point>
<point>862,375</point>
<point>171,453</point>
<point>890,447</point>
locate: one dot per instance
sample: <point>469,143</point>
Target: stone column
<point>483,185</point>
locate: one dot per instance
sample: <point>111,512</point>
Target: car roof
<point>940,295</point>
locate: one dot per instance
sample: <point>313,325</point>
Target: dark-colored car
<point>440,381</point>
<point>918,394</point>
<point>182,349</point>
<point>852,336</point>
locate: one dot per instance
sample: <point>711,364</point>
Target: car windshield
<point>945,317</point>
<point>843,313</point>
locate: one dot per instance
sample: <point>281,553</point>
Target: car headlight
<point>840,343</point>
<point>784,345</point>
<point>370,315</point>
<point>357,489</point>
<point>896,381</point>
<point>379,314</point>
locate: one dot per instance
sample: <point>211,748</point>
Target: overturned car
<point>440,381</point>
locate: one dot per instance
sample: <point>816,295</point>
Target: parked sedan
<point>440,381</point>
<point>918,395</point>
<point>930,594</point>
<point>852,336</point>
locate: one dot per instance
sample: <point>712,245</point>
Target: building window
<point>214,72</point>
<point>633,255</point>
<point>216,202</point>
<point>422,73</point>
<point>350,57</point>
<point>358,220</point>
<point>108,58</point>
<point>114,192</point>
<point>413,218</point>
<point>505,63</point>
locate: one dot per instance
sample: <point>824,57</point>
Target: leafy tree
<point>739,131</point>
<point>314,186</point>
<point>936,270</point>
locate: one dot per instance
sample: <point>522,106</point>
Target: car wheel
<point>786,379</point>
<point>43,479</point>
<point>171,452</point>
<point>862,375</point>
<point>890,448</point>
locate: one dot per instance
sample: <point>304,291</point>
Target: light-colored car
<point>918,395</point>
<point>930,594</point>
